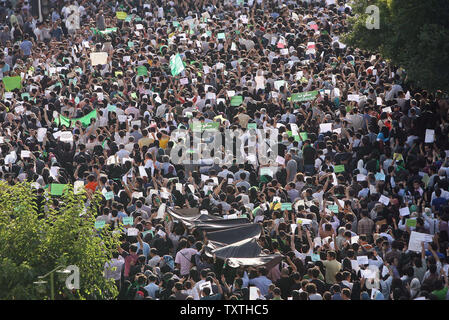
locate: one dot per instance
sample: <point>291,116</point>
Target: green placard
<point>410,222</point>
<point>142,71</point>
<point>252,125</point>
<point>112,107</point>
<point>57,189</point>
<point>211,126</point>
<point>130,44</point>
<point>109,30</point>
<point>304,96</point>
<point>333,208</point>
<point>339,168</point>
<point>12,83</point>
<point>236,101</point>
<point>100,224</point>
<point>303,135</point>
<point>297,138</point>
<point>25,94</point>
<point>221,36</point>
<point>128,221</point>
<point>289,134</point>
<point>286,206</point>
<point>175,24</point>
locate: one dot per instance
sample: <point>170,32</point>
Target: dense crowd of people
<point>96,94</point>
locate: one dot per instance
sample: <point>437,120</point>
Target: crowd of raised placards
<point>108,96</point>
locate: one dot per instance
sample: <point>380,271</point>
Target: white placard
<point>430,136</point>
<point>66,136</point>
<point>133,232</point>
<point>78,186</point>
<point>353,97</point>
<point>253,293</point>
<point>41,132</point>
<point>404,211</point>
<point>161,211</point>
<point>362,260</point>
<point>280,160</point>
<point>142,171</point>
<point>361,177</point>
<point>416,238</point>
<point>97,58</point>
<point>25,154</point>
<point>325,127</point>
<point>385,200</point>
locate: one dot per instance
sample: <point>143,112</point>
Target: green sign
<point>252,125</point>
<point>128,221</point>
<point>12,83</point>
<point>339,168</point>
<point>57,189</point>
<point>303,135</point>
<point>236,101</point>
<point>304,96</point>
<point>198,126</point>
<point>286,206</point>
<point>410,222</point>
<point>333,208</point>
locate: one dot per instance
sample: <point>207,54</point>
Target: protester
<point>352,206</point>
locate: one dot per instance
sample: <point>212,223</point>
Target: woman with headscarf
<point>415,288</point>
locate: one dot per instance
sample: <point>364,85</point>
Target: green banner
<point>304,96</point>
<point>85,121</point>
<point>198,127</point>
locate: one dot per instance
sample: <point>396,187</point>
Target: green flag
<point>12,83</point>
<point>176,65</point>
<point>85,121</point>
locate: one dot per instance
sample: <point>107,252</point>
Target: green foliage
<point>31,247</point>
<point>413,34</point>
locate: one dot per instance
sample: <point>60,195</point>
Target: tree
<point>31,246</point>
<point>413,34</point>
